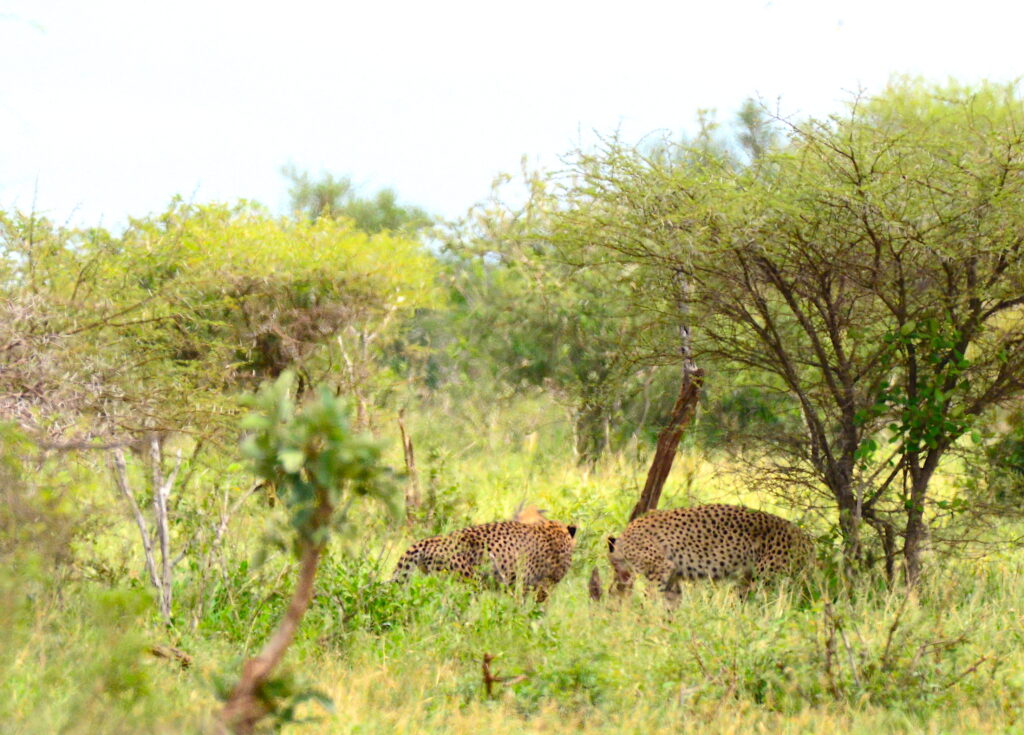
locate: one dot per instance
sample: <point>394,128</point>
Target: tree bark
<point>668,441</point>
<point>850,523</point>
<point>246,707</point>
<point>683,410</point>
<point>916,530</point>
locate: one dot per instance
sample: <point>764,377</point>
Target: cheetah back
<point>712,541</point>
<point>536,553</point>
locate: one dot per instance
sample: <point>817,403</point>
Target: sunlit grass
<point>408,658</point>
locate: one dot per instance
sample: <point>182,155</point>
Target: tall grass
<point>408,658</point>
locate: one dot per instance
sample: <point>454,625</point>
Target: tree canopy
<point>331,196</point>
<point>199,300</point>
<point>869,271</point>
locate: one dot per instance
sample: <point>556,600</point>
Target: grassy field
<point>408,659</point>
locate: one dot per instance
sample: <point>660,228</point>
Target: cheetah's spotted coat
<point>706,541</point>
<point>530,550</point>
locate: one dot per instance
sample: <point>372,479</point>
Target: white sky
<point>110,107</point>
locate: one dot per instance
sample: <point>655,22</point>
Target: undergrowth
<point>394,658</point>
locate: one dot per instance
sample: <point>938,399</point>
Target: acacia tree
<point>534,319</point>
<point>140,341</point>
<point>630,216</point>
<point>878,275</point>
<point>252,295</point>
<point>639,207</point>
<point>871,270</point>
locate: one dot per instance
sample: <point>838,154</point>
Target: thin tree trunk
<point>162,578</point>
<point>683,411</point>
<point>245,707</point>
<point>412,490</point>
<point>915,531</point>
<point>912,547</point>
<point>889,546</point>
<point>161,491</point>
<point>120,472</point>
<point>668,442</point>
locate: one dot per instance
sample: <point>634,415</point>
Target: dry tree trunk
<point>668,442</point>
<point>683,411</point>
<point>120,472</point>
<point>161,491</point>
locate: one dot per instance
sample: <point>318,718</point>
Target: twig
<point>969,670</point>
<point>490,680</point>
<point>937,646</point>
<point>838,628</point>
<point>696,654</point>
<point>120,472</point>
<point>830,652</point>
<point>886,663</point>
<point>173,654</point>
<point>412,493</point>
<point>225,519</point>
<point>84,445</point>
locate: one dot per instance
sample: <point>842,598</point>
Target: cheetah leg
<point>746,583</point>
<point>670,578</point>
<point>672,591</point>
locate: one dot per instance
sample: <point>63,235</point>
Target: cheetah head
<point>569,529</point>
<point>534,516</point>
<point>622,571</point>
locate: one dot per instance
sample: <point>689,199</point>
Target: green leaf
<point>291,460</point>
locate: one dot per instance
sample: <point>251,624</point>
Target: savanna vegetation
<point>220,427</point>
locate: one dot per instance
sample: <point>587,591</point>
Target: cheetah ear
<point>611,544</point>
<point>530,514</point>
<point>572,531</point>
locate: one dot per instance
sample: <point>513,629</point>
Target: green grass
<point>407,658</point>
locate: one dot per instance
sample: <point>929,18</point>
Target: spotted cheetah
<point>712,541</point>
<point>530,549</point>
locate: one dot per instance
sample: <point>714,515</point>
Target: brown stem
<point>489,678</point>
<point>245,707</point>
<point>668,442</point>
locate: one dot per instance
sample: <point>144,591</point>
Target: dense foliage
<point>869,271</point>
<point>854,291</point>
